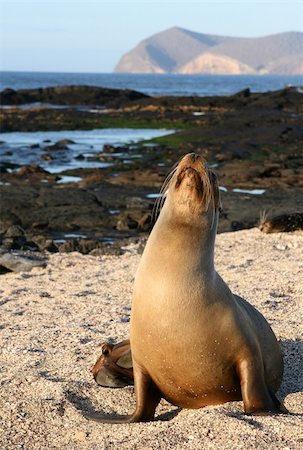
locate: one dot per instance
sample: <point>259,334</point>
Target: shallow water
<point>23,148</point>
<point>249,191</point>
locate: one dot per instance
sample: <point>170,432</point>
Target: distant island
<point>177,50</point>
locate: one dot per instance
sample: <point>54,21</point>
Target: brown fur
<point>193,342</point>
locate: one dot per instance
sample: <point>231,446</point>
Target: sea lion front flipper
<point>147,399</point>
<point>148,395</point>
<point>257,397</point>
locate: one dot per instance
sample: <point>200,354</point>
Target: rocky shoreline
<point>254,142</point>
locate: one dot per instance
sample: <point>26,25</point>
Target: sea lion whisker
<point>263,216</point>
<point>158,206</point>
<point>160,200</point>
<point>168,179</point>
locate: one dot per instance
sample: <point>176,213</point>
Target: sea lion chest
<point>178,333</point>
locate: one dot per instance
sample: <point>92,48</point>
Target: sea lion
<point>114,368</point>
<point>193,342</point>
<point>282,223</point>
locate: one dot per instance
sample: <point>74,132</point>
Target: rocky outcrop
<point>253,141</point>
<point>69,95</point>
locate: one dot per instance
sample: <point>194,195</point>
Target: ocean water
<point>153,84</point>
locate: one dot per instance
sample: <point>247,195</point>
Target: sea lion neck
<point>195,245</point>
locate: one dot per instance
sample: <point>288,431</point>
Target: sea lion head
<point>113,368</point>
<point>192,194</point>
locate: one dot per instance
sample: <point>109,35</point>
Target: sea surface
<point>153,84</point>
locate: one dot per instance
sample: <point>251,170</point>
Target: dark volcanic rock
<point>45,244</point>
<point>7,218</point>
<point>69,95</point>
<point>32,174</point>
<point>54,147</point>
<point>125,222</point>
<point>254,141</point>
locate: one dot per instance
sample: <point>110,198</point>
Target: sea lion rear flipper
<point>113,368</point>
<point>278,403</point>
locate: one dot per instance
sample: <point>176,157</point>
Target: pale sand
<point>53,319</point>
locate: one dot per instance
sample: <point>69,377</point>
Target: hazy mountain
<point>177,50</point>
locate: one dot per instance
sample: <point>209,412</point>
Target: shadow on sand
<point>292,383</point>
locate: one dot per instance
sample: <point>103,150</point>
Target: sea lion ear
<point>125,361</point>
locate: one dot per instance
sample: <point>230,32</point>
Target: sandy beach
<point>53,319</point>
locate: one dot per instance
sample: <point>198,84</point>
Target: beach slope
<point>53,319</point>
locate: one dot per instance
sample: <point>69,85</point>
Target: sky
<point>91,36</point>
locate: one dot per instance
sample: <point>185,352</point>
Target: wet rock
<point>31,173</point>
<point>64,142</point>
<point>271,171</point>
<point>47,157</point>
<point>109,148</point>
<point>19,262</point>
<point>125,222</point>
<point>136,202</point>
<point>3,169</point>
<point>54,147</point>
<point>144,223</point>
<point>237,225</point>
<point>45,244</point>
<point>13,243</point>
<point>245,93</point>
<point>70,95</point>
<point>29,170</point>
<point>18,243</point>
<point>84,246</point>
<point>6,166</point>
<point>80,157</point>
<point>103,158</point>
<point>14,238</point>
<point>7,219</point>
<point>14,231</point>
<point>93,179</point>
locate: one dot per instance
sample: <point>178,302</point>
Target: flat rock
<point>16,262</point>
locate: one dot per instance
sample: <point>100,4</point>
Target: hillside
<point>177,50</point>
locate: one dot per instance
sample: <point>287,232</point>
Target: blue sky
<point>90,36</point>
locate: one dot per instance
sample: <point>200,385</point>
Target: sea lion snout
<point>194,156</point>
<point>196,185</point>
<point>195,162</point>
<point>191,167</point>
